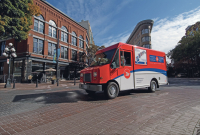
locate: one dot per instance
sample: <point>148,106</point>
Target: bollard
<point>57,82</point>
<point>74,81</point>
<point>37,83</point>
<point>14,83</point>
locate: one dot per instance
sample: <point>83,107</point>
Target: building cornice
<point>61,13</point>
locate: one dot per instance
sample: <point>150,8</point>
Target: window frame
<point>40,20</point>
<point>51,46</point>
<point>38,43</point>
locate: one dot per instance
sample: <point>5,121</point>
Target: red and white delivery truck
<point>123,67</point>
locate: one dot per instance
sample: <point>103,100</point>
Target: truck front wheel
<point>112,90</point>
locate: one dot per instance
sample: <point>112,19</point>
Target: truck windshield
<point>103,58</point>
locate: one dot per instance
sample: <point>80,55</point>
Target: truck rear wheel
<point>112,90</point>
<point>90,92</point>
<point>153,86</point>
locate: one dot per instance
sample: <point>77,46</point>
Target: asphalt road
<point>173,109</point>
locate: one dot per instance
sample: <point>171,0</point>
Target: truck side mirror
<point>113,65</point>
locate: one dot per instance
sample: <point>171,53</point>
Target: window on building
<point>3,45</point>
<point>144,31</point>
<point>38,46</point>
<point>74,40</point>
<point>147,46</point>
<point>80,41</point>
<point>64,34</point>
<point>81,59</point>
<point>138,43</point>
<point>51,48</point>
<point>1,68</point>
<point>39,24</point>
<point>87,40</point>
<point>64,52</point>
<point>147,38</point>
<point>52,29</point>
<point>74,55</point>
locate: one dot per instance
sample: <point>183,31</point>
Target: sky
<point>112,21</point>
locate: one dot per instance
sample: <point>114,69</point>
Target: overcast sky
<point>113,21</point>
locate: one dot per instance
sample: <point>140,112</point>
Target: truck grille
<point>87,77</point>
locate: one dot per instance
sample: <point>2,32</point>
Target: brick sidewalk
<point>32,86</point>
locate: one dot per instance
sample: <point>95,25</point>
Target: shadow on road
<point>69,96</point>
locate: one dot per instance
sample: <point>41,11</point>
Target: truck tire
<point>90,92</point>
<point>112,90</point>
<point>153,86</point>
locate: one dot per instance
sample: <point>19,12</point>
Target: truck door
<point>126,70</point>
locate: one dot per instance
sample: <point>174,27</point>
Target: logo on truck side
<point>127,73</point>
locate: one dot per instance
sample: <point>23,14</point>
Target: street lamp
<point>9,52</point>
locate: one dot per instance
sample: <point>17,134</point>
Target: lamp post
<point>9,52</point>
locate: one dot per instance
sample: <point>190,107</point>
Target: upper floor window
<point>138,43</point>
<point>74,40</point>
<point>147,38</point>
<point>39,24</point>
<point>64,52</point>
<point>81,59</point>
<point>191,33</point>
<point>38,46</point>
<point>145,31</point>
<point>147,46</point>
<point>64,35</point>
<point>80,41</point>
<point>87,40</point>
<point>52,29</point>
<point>51,48</point>
<point>2,47</point>
<point>74,55</point>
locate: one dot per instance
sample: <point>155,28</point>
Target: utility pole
<point>57,55</point>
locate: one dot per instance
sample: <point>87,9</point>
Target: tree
<point>91,51</point>
<point>186,54</point>
<point>16,18</point>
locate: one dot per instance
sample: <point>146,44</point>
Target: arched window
<point>39,23</point>
<point>74,40</point>
<point>64,35</point>
<point>81,41</point>
<point>52,29</point>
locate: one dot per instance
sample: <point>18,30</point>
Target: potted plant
<point>53,80</point>
<point>30,78</point>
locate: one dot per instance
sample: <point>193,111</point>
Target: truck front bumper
<point>90,87</point>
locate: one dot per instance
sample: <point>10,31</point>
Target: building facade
<point>141,35</point>
<point>35,54</point>
<point>86,25</point>
<point>191,29</point>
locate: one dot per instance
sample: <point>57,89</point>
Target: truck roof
<point>120,44</point>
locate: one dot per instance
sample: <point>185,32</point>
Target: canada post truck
<point>123,67</point>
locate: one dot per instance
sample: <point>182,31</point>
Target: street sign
<point>7,61</point>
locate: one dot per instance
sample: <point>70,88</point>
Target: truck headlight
<point>94,74</point>
<point>81,75</point>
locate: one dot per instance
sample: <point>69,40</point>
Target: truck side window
<point>125,58</point>
<point>116,59</point>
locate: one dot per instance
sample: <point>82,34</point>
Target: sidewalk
<point>32,86</point>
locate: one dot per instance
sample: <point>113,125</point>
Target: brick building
<point>35,54</point>
<point>141,35</point>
